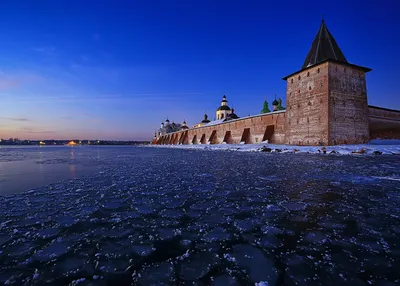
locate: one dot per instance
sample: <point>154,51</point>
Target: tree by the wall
<point>265,108</point>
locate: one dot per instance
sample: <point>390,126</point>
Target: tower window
<point>292,80</point>
<point>298,105</point>
<point>309,87</point>
<point>309,103</point>
<point>308,120</point>
<point>308,73</point>
<point>297,121</point>
<point>299,77</point>
<point>318,70</point>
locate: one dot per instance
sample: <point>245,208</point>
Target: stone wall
<point>307,106</point>
<point>348,107</point>
<point>253,129</point>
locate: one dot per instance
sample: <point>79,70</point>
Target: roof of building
<point>232,116</point>
<point>215,122</point>
<point>275,102</point>
<point>324,47</point>
<point>223,107</point>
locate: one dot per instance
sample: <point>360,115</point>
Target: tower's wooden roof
<point>324,47</point>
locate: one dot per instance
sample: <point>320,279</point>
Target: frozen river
<point>154,216</point>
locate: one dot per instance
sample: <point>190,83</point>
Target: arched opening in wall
<point>269,131</point>
<point>194,140</point>
<point>185,138</point>
<point>246,136</point>
<point>176,138</point>
<point>213,137</point>
<point>228,137</point>
<point>222,116</point>
<point>181,137</point>
<point>203,139</point>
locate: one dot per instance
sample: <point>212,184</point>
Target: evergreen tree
<point>280,107</point>
<point>265,108</point>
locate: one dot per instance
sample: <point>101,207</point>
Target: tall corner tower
<point>326,101</point>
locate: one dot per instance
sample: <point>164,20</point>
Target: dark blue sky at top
<point>116,69</point>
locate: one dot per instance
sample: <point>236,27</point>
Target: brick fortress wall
<point>348,107</point>
<point>307,106</point>
<point>253,129</point>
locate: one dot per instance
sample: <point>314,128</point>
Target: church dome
<point>275,102</point>
<point>205,120</point>
<point>224,107</point>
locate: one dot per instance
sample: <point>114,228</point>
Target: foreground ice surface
<point>154,216</point>
<point>375,147</point>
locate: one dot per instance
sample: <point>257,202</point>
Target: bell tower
<point>326,101</point>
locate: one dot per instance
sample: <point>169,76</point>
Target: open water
<point>153,216</point>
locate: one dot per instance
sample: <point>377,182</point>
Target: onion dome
<point>233,114</point>
<point>275,102</point>
<point>184,125</point>
<point>224,107</point>
<point>167,121</point>
<point>205,120</point>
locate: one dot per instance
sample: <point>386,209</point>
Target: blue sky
<point>116,69</point>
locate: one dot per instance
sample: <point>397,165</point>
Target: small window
<point>308,120</point>
<point>298,91</point>
<point>290,107</point>
<point>318,70</point>
<point>308,73</point>
<point>292,80</point>
<point>309,87</point>
<point>309,103</point>
<point>320,101</point>
<point>299,77</point>
<point>298,105</point>
<point>297,121</point>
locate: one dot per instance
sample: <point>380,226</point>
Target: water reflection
<point>72,153</point>
<point>72,171</point>
<point>23,169</point>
